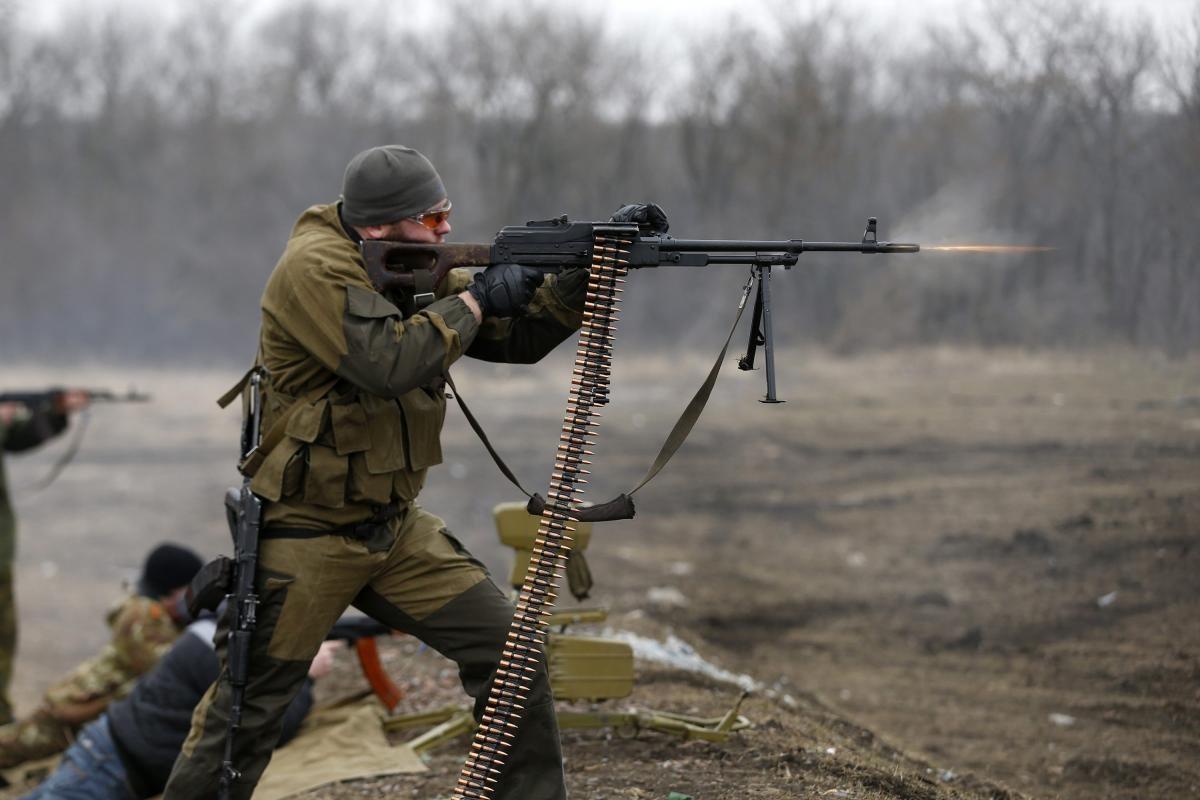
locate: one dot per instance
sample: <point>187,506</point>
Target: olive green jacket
<point>368,381</point>
<point>27,431</point>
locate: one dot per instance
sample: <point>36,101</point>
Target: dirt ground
<point>950,573</point>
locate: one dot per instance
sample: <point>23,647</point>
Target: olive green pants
<point>412,576</point>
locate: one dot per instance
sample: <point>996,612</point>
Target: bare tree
<point>1112,65</point>
<point>181,154</point>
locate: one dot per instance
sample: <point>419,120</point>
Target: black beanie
<point>387,184</point>
<point>168,567</point>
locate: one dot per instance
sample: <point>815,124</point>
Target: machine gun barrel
<point>665,251</point>
<point>556,244</point>
<point>795,246</point>
<point>861,247</point>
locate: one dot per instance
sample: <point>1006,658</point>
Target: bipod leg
<point>710,729</point>
<point>764,294</point>
<point>746,362</point>
<point>437,716</point>
<point>628,724</point>
<point>456,726</point>
<point>731,716</point>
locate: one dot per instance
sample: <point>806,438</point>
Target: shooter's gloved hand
<point>650,217</point>
<point>503,290</point>
<point>570,286</point>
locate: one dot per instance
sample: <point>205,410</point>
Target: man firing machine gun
<point>362,318</point>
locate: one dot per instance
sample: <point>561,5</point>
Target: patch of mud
<point>749,627</point>
<point>1124,775</point>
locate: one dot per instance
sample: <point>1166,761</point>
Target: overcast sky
<point>662,16</point>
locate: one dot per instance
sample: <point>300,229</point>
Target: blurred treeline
<point>151,169</point>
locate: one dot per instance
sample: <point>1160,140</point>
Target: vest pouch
<point>385,427</point>
<point>293,474</point>
<point>352,438</point>
<point>325,477</point>
<point>308,420</point>
<point>281,471</point>
<point>424,413</point>
<point>406,484</point>
<point>351,433</point>
<point>365,486</point>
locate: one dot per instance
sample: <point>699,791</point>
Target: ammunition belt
<point>561,508</point>
<point>523,646</point>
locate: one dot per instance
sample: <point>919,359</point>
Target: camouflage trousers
<point>413,576</point>
<point>8,638</point>
<point>33,737</point>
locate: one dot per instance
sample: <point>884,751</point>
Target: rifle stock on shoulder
<point>394,266</point>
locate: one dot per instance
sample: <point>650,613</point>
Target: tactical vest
<point>344,451</point>
<point>351,446</point>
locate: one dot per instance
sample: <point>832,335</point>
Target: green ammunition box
<point>589,668</point>
<point>518,529</point>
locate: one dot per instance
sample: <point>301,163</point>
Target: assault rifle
<point>556,244</point>
<point>244,510</point>
<point>52,398</point>
<point>51,401</point>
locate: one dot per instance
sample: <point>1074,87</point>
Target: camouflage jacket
<point>142,631</point>
<point>369,379</point>
<point>27,431</point>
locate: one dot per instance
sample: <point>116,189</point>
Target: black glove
<point>503,290</point>
<point>650,217</point>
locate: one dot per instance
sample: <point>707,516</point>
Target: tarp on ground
<point>334,745</point>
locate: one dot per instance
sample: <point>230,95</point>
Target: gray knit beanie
<point>388,183</point>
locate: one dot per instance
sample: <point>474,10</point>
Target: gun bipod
<point>761,333</point>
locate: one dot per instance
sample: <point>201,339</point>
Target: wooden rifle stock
<point>381,683</point>
<point>393,266</point>
<point>360,633</point>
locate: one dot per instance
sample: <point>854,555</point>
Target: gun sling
<point>621,506</point>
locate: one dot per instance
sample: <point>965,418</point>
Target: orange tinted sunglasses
<point>433,219</point>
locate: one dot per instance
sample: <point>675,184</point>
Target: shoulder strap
<point>483,437</point>
<point>234,391</point>
<point>683,426</point>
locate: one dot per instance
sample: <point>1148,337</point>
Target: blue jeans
<point>89,770</point>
